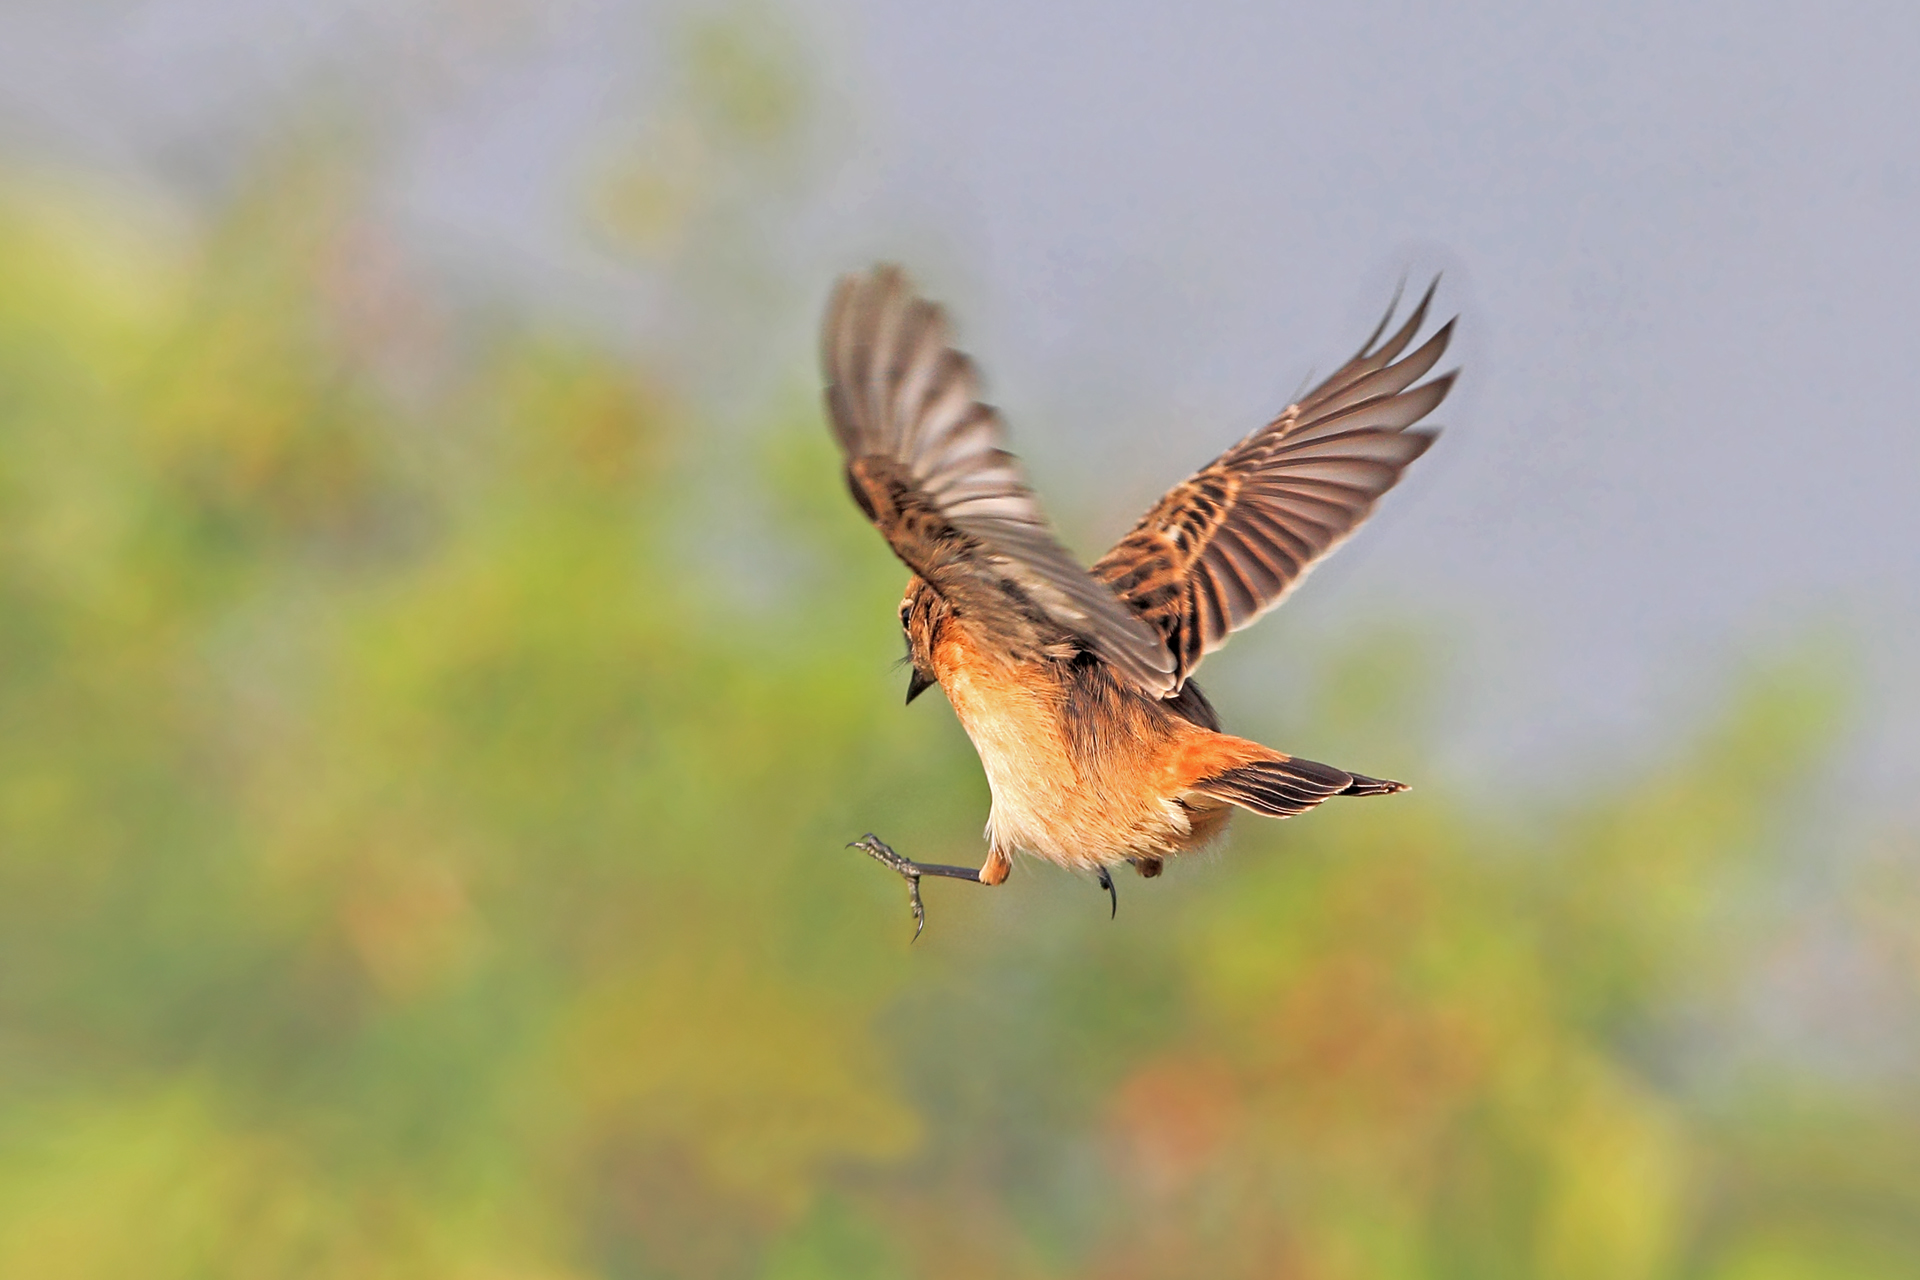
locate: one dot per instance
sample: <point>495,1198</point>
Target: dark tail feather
<point>1365,786</point>
<point>1282,788</point>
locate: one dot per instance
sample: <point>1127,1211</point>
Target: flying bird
<point>1076,685</point>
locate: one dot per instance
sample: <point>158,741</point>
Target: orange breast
<point>1011,710</point>
<point>1098,793</point>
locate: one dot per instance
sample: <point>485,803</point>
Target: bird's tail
<point>1281,788</point>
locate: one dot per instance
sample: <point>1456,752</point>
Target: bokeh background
<point>439,667</point>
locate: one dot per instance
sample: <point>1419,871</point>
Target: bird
<point>1075,684</point>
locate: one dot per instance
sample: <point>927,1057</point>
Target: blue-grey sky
<point>1681,239</point>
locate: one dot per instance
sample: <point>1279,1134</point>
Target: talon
<point>1106,882</point>
<point>880,851</point>
<point>910,871</point>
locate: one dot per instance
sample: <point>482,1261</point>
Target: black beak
<point>917,684</point>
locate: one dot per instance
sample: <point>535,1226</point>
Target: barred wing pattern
<point>1236,538</point>
<point>926,464</point>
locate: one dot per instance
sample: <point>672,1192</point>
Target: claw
<point>1106,882</point>
<point>879,850</point>
<point>911,871</point>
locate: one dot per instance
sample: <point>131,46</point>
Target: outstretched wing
<point>925,462</point>
<point>1232,541</point>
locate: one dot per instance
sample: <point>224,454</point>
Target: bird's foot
<point>880,851</point>
<point>1106,882</point>
<point>910,871</point>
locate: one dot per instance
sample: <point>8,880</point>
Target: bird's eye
<point>905,611</point>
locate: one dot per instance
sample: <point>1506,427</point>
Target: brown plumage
<point>1075,685</point>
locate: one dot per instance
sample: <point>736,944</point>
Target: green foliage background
<point>421,855</point>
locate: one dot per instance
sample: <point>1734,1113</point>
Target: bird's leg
<point>911,871</point>
<point>1106,882</point>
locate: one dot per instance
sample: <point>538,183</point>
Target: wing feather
<point>1234,539</point>
<point>926,462</point>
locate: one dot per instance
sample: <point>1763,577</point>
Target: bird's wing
<point>1230,542</point>
<point>925,462</point>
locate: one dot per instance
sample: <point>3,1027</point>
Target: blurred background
<point>440,668</point>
